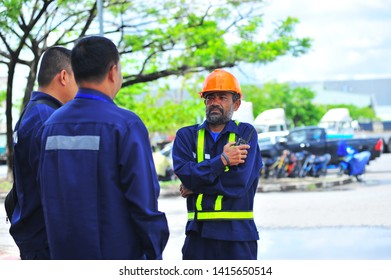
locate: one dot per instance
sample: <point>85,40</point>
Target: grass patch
<point>169,184</point>
<point>311,187</point>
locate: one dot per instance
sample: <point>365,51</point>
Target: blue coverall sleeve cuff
<point>217,165</point>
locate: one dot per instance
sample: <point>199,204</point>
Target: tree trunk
<point>8,112</point>
<point>30,83</point>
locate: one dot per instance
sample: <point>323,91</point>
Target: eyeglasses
<point>220,98</point>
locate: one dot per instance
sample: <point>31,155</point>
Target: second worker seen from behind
<point>99,184</point>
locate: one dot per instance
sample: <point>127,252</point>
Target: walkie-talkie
<point>241,141</point>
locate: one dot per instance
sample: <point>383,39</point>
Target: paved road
<point>346,222</point>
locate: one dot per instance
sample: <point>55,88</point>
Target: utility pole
<point>100,16</point>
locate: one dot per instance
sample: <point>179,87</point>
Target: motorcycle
<point>352,162</point>
<point>314,165</point>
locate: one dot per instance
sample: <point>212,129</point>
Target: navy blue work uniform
<point>220,210</point>
<point>27,224</point>
<point>99,184</point>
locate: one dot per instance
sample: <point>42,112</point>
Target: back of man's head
<point>54,60</point>
<point>92,57</point>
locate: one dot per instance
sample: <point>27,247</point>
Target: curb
<point>284,185</point>
<point>271,185</point>
<point>302,184</point>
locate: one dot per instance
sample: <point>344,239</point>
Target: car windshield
<point>260,128</point>
<point>265,140</point>
<point>166,151</point>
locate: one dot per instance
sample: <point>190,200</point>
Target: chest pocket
<point>217,213</point>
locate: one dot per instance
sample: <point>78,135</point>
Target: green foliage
<point>9,12</point>
<point>169,116</point>
<point>302,110</point>
<point>297,102</point>
<point>126,96</point>
<point>180,37</point>
<point>357,113</point>
<point>3,95</point>
<point>175,39</point>
<point>162,109</point>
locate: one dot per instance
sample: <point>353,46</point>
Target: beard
<point>215,118</point>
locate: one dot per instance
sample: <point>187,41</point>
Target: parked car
<point>267,141</point>
<point>163,163</point>
<point>314,140</point>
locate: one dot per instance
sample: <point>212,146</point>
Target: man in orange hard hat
<point>219,163</point>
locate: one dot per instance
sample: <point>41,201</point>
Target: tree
<point>26,26</point>
<point>156,39</point>
<point>297,102</point>
<point>357,113</point>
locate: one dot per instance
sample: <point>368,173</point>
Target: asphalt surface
<point>9,251</point>
<point>284,184</point>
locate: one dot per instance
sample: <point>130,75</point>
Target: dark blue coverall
<point>27,225</point>
<point>221,224</point>
<point>99,184</point>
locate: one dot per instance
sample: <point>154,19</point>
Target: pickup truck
<point>314,140</point>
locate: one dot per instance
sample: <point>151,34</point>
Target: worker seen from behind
<point>219,163</point>
<point>98,181</point>
<point>56,86</point>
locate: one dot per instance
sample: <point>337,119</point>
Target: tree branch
<point>185,69</point>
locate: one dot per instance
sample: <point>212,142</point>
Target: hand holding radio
<point>235,153</point>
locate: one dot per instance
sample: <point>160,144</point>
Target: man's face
<point>219,107</point>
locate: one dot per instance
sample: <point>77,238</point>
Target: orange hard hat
<point>221,80</point>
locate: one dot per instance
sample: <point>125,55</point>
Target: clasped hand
<point>236,156</point>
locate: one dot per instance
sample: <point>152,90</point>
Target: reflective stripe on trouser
<point>220,215</point>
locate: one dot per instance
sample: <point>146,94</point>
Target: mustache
<point>215,107</point>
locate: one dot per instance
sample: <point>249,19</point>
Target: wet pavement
<point>8,249</point>
<point>333,218</point>
<point>330,243</point>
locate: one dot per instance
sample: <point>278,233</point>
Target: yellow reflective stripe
<point>200,145</point>
<point>221,215</point>
<point>218,203</point>
<point>199,202</point>
<point>200,158</point>
<point>231,137</point>
<point>225,215</point>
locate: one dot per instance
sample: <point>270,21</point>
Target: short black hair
<point>92,57</point>
<point>54,60</point>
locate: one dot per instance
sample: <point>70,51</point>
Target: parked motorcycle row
<point>303,164</point>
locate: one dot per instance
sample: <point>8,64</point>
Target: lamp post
<point>100,16</point>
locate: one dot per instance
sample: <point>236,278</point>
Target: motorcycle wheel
<point>359,178</point>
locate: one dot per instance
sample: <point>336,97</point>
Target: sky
<point>351,40</point>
